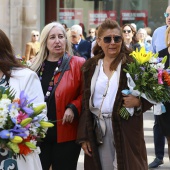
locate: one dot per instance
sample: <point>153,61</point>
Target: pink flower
<point>21,116</point>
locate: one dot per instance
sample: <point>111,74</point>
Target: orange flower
<point>166,77</point>
<point>23,148</point>
<point>16,101</point>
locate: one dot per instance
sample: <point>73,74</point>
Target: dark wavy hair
<point>134,39</point>
<point>7,57</point>
<point>124,51</point>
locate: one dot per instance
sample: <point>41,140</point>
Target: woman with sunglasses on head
<point>129,36</point>
<point>122,145</point>
<point>32,47</point>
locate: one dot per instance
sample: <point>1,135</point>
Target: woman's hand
<point>131,101</point>
<point>87,148</point>
<point>68,116</point>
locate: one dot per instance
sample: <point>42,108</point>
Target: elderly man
<point>80,47</point>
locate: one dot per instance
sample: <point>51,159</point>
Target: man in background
<point>80,47</point>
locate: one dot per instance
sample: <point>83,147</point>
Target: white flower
<point>153,60</point>
<point>29,63</point>
<point>5,102</point>
<point>13,113</point>
<point>160,66</point>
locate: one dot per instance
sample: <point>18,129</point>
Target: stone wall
<point>18,18</point>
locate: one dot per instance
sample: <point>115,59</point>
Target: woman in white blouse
<point>122,146</point>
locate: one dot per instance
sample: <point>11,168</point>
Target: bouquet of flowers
<point>148,78</point>
<point>22,60</point>
<point>21,123</point>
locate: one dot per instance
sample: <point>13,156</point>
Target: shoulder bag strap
<point>61,75</point>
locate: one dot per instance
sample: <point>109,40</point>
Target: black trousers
<point>62,156</point>
<point>159,139</point>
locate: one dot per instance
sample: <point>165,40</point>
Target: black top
<point>164,118</point>
<point>51,112</point>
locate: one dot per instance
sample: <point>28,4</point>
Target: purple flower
<point>142,68</point>
<point>136,77</point>
<point>24,102</point>
<point>168,70</point>
<point>159,59</point>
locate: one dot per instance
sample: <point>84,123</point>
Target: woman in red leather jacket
<point>59,149</point>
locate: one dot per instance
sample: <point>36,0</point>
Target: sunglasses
<point>35,35</point>
<point>166,15</point>
<point>126,31</point>
<point>108,40</point>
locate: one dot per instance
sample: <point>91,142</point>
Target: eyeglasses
<point>166,15</point>
<point>35,35</point>
<point>126,31</point>
<point>91,32</point>
<point>108,40</point>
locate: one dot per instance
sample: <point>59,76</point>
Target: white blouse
<point>100,88</point>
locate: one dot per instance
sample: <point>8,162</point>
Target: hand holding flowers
<point>148,78</point>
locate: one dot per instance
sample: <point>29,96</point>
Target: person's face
<point>127,33</point>
<point>110,42</point>
<point>75,37</point>
<point>35,37</point>
<point>141,35</point>
<point>56,42</point>
<point>92,32</point>
<point>168,16</point>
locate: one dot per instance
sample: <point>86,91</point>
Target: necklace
<point>51,83</point>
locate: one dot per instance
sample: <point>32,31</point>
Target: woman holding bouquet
<point>122,146</point>
<point>18,78</point>
<point>61,80</point>
<point>164,118</point>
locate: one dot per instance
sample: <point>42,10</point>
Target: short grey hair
<point>77,29</point>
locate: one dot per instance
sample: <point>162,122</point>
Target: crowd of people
<point>81,78</point>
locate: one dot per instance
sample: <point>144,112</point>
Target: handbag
<point>97,126</point>
<point>98,130</point>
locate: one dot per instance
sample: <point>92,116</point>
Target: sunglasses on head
<point>166,15</point>
<point>116,39</point>
<point>126,31</point>
<point>35,35</point>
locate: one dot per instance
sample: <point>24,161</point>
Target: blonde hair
<point>167,41</point>
<point>43,53</point>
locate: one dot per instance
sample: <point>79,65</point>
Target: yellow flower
<point>38,109</point>
<point>142,56</point>
<point>46,124</point>
<point>16,139</point>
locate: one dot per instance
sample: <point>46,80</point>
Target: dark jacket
<point>83,49</point>
<point>164,118</point>
<point>128,134</point>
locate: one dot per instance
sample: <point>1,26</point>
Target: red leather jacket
<point>69,91</point>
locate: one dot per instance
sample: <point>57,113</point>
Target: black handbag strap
<point>61,75</point>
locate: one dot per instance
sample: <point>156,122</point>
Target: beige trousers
<point>107,150</point>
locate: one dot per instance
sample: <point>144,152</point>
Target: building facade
<point>19,17</point>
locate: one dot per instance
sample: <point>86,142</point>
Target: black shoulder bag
<point>61,75</point>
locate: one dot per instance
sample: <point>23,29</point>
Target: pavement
<point>148,132</point>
